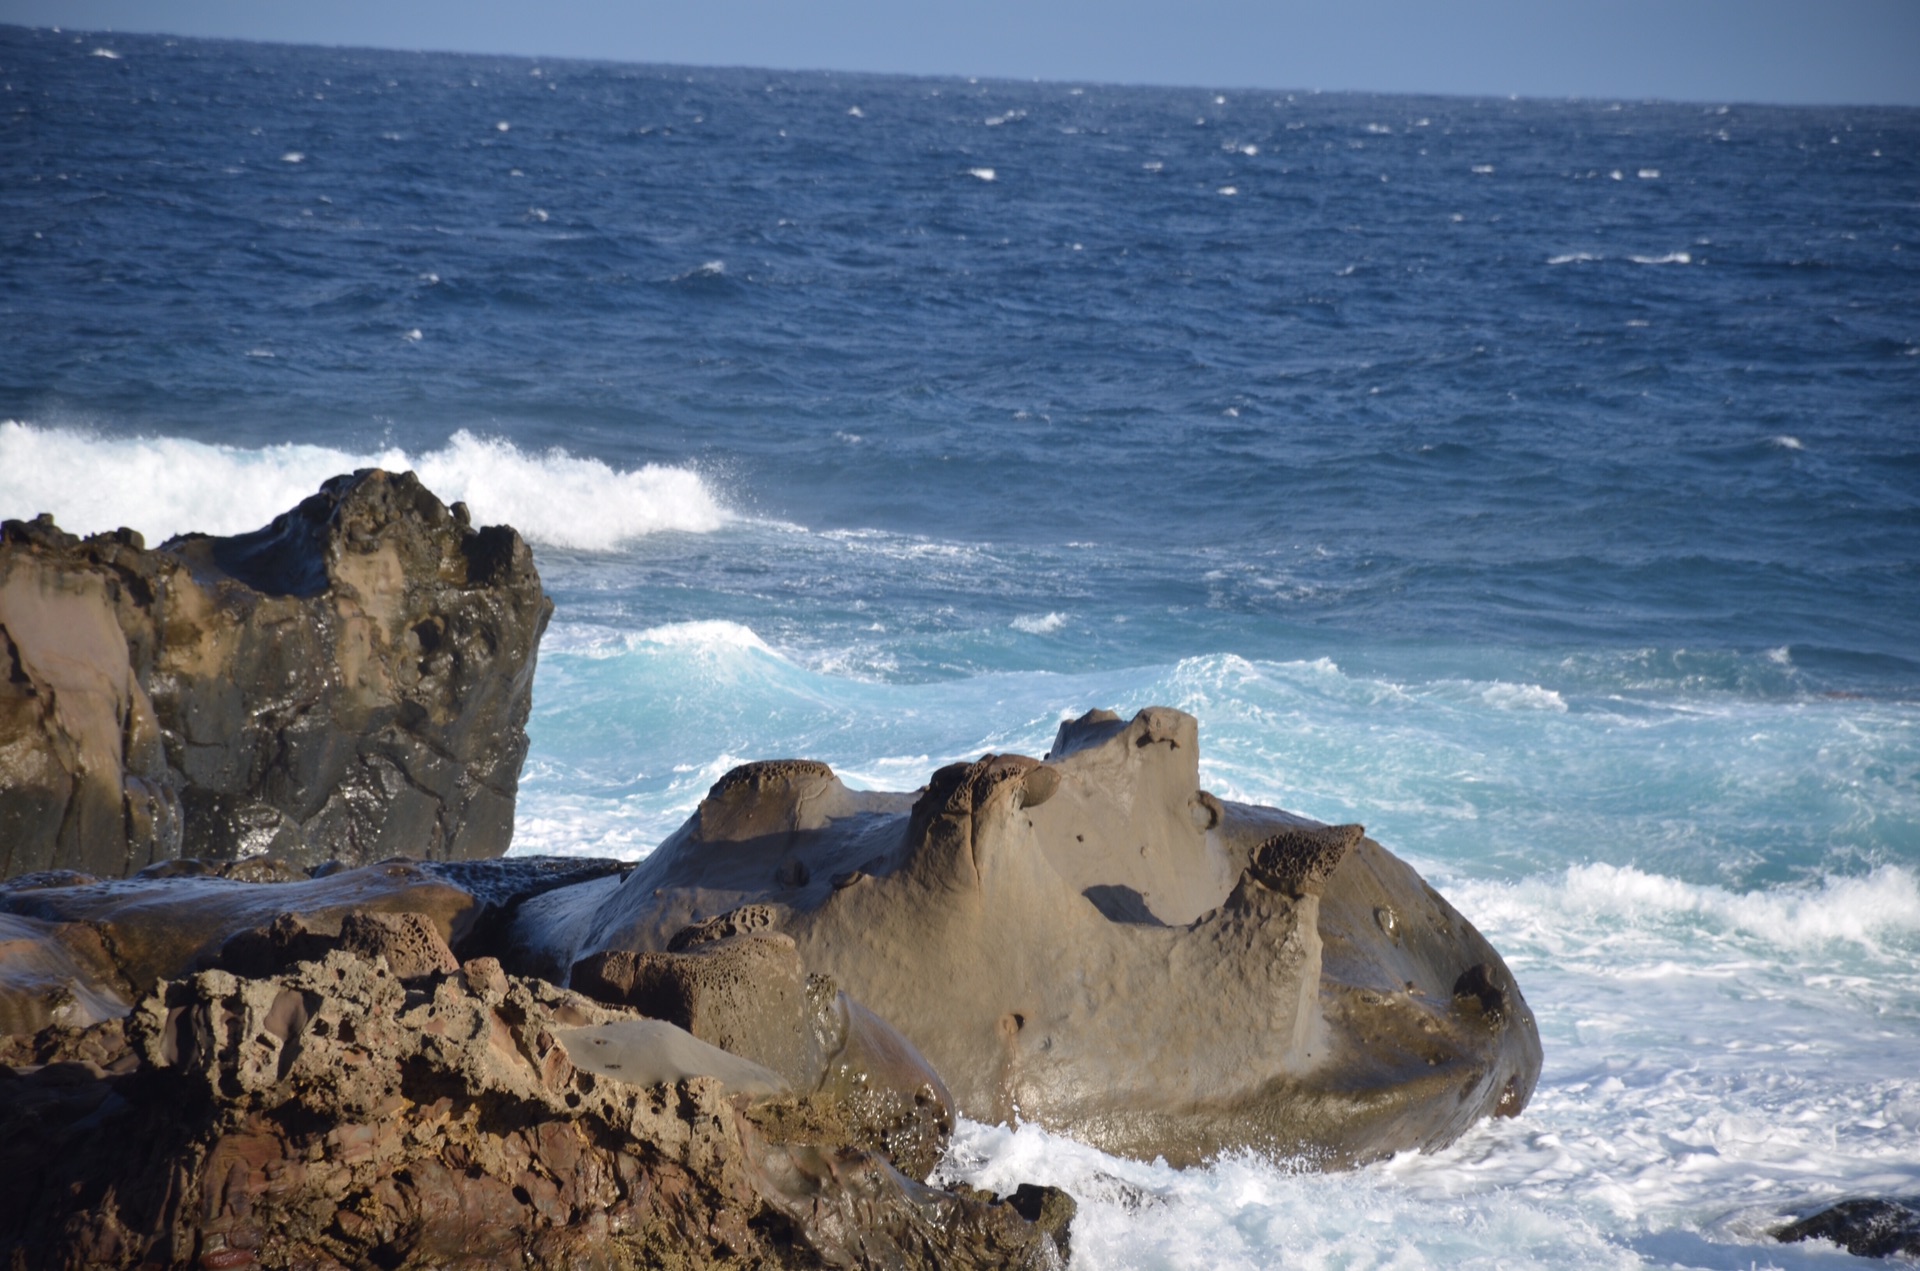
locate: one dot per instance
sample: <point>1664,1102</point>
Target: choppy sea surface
<point>1535,482</point>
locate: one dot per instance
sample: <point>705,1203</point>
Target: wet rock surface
<point>333,1086</point>
<point>351,681</point>
<point>1866,1228</point>
<point>1094,943</point>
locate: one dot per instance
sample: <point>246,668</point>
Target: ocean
<point>1536,482</point>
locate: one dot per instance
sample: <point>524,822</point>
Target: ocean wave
<point>1870,910</point>
<point>164,486</point>
<point>1039,624</point>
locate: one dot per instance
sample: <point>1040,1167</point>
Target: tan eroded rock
<point>1096,944</point>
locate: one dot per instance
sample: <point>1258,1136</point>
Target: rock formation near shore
<point>1094,943</point>
<point>309,1076</point>
<point>748,1049</point>
<point>351,682</point>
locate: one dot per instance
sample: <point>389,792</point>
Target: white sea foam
<point>107,53</point>
<point>1483,169</point>
<point>1670,258</point>
<point>1522,697</point>
<point>1785,442</point>
<point>1572,258</point>
<point>1039,624</point>
<point>293,156</point>
<point>711,635</point>
<point>1605,900</point>
<point>985,174</point>
<point>163,486</point>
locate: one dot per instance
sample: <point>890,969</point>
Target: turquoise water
<point>1536,483</point>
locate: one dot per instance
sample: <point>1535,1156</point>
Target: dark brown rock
<point>1094,943</point>
<point>332,1116</point>
<point>1866,1228</point>
<point>352,681</point>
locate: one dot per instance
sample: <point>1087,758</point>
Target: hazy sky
<point>1713,50</point>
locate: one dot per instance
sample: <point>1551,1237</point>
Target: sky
<point>1790,51</point>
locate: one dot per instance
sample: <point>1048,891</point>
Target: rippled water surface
<point>1537,483</point>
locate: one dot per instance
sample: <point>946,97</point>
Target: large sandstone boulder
<point>1096,944</point>
<point>352,682</point>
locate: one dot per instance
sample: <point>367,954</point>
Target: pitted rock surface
<point>332,1115</point>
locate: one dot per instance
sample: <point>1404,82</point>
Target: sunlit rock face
<point>1094,943</point>
<point>351,682</point>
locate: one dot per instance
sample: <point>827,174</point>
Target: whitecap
<point>1648,174</point>
<point>163,486</point>
<point>1865,910</point>
<point>107,53</point>
<point>293,156</point>
<point>1522,697</point>
<point>502,126</point>
<point>1483,169</point>
<point>1152,165</point>
<point>1671,258</point>
<point>984,174</point>
<point>708,635</point>
<point>1572,258</point>
<point>1039,624</point>
<point>1785,442</point>
<point>1229,190</point>
<point>855,112</point>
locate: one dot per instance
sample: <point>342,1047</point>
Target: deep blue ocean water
<point>1535,482</point>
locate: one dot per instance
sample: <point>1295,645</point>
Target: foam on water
<point>1699,1088</point>
<point>163,486</point>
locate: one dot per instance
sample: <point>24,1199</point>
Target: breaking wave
<point>164,486</point>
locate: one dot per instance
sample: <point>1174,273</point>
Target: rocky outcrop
<point>1866,1228</point>
<point>1094,943</point>
<point>352,682</point>
<point>74,949</point>
<point>336,1088</point>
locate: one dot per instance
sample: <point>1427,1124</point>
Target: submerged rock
<point>1867,1228</point>
<point>1094,943</point>
<point>351,681</point>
